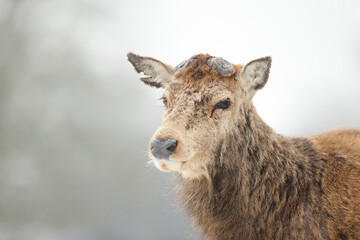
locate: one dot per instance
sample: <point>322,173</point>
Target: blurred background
<point>75,120</point>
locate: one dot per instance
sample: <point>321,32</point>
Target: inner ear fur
<point>157,74</point>
<point>256,73</point>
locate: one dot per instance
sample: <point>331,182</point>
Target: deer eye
<point>221,105</point>
<point>165,101</point>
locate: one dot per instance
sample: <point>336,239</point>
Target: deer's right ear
<point>156,73</point>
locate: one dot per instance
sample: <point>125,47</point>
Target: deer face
<point>203,98</point>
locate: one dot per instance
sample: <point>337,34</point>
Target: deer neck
<point>256,173</point>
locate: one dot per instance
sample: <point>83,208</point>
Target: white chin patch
<point>167,165</point>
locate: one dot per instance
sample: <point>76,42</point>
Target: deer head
<point>204,100</point>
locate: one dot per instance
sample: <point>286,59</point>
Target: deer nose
<point>163,149</point>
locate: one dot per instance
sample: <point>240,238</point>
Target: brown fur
<point>238,179</point>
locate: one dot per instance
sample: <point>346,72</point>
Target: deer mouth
<point>167,165</point>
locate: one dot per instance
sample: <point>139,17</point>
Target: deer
<point>236,177</point>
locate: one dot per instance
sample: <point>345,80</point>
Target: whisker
<point>150,164</point>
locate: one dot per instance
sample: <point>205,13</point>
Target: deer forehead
<point>204,93</point>
<point>202,77</point>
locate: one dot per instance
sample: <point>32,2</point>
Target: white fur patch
<point>177,166</point>
<point>256,73</point>
<point>167,165</point>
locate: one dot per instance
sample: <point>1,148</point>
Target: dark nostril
<point>163,149</point>
<point>172,147</point>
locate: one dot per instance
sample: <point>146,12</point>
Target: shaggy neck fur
<point>261,180</point>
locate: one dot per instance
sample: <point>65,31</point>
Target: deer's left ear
<point>255,74</point>
<point>157,74</point>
